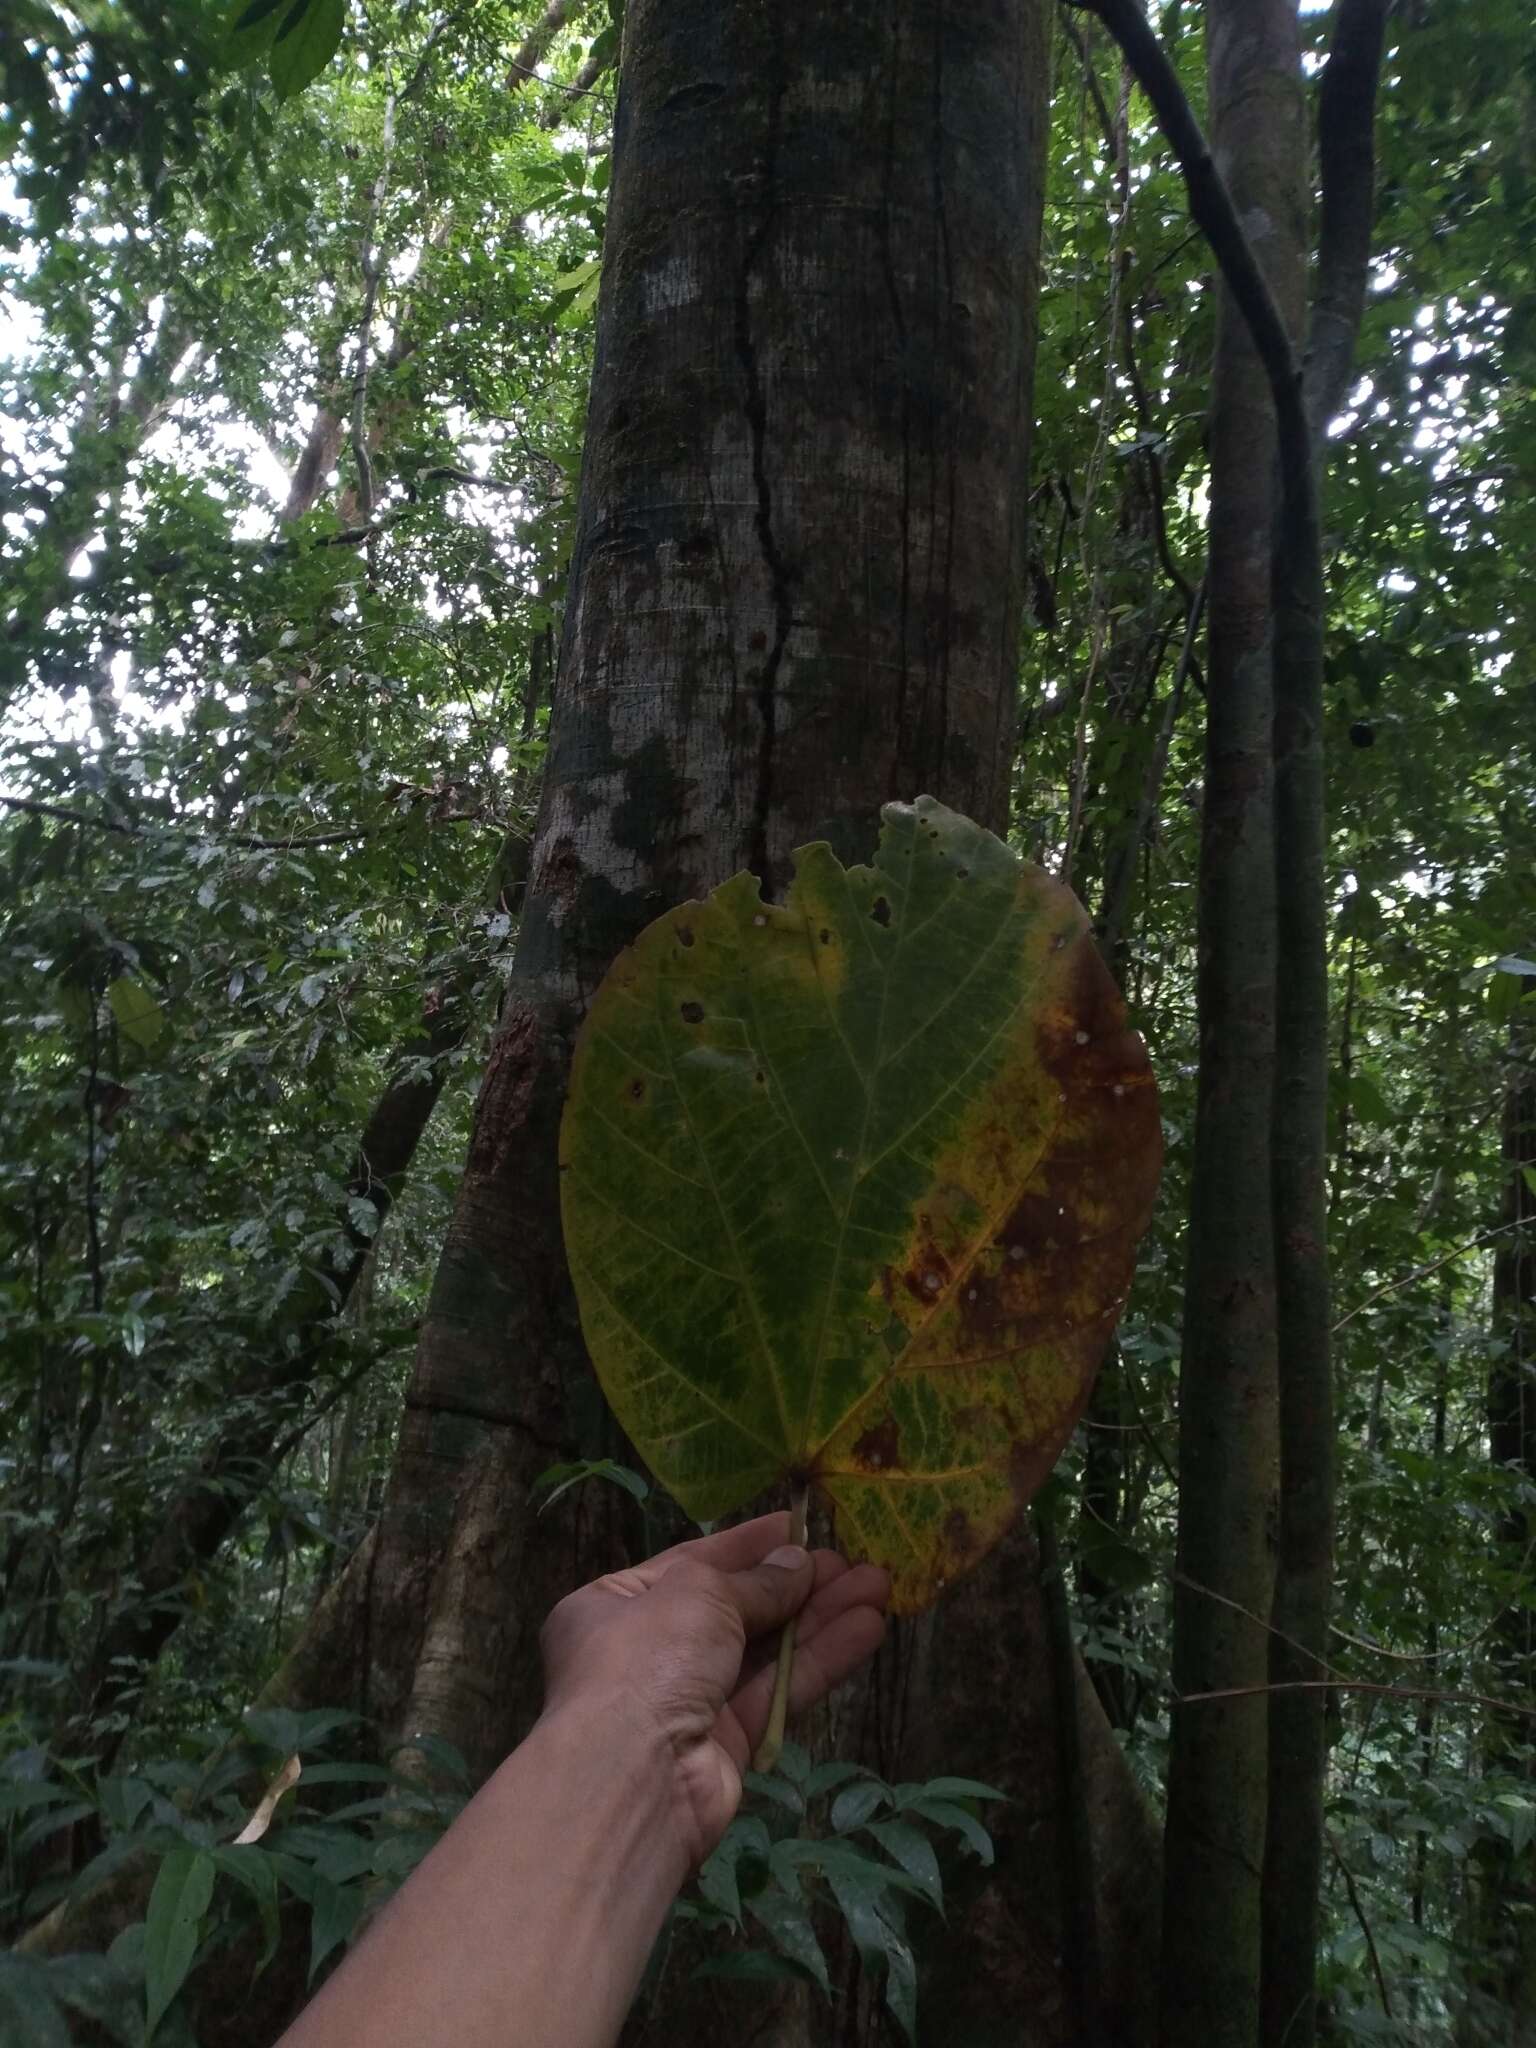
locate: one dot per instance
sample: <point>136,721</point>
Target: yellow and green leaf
<point>852,1186</point>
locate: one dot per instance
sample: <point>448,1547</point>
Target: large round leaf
<point>852,1187</point>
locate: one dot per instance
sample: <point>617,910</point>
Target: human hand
<point>685,1642</point>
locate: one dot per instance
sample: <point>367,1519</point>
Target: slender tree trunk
<point>1298,1650</point>
<point>1504,1902</point>
<point>1217,1788</point>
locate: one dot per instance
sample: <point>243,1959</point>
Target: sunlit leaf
<point>852,1187</point>
<point>306,40</point>
<point>139,1017</point>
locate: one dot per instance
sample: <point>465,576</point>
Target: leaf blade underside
<point>852,1186</point>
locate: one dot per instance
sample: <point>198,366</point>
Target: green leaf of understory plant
<point>182,1891</point>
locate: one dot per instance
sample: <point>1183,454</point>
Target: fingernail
<point>789,1557</point>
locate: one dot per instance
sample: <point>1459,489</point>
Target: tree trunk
<point>1227,1391</point>
<point>760,648</point>
<point>1298,1649</point>
<point>795,595</point>
<point>1504,1903</point>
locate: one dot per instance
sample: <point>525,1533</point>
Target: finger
<point>838,1587</point>
<point>839,1647</point>
<point>767,1594</point>
<point>860,1585</point>
<point>728,1550</point>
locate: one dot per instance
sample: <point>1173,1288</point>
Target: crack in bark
<point>756,406</point>
<point>941,222</point>
<point>893,291</point>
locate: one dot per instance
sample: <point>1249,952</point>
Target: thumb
<point>767,1594</point>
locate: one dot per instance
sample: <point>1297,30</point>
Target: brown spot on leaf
<point>879,1448</point>
<point>928,1275</point>
<point>693,1013</point>
<point>685,934</point>
<point>636,1090</point>
<point>882,911</point>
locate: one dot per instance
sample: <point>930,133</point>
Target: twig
<point>65,815</point>
<point>1336,1684</point>
<point>1365,1925</point>
<point>1420,1272</point>
<point>373,270</point>
<point>1117,896</point>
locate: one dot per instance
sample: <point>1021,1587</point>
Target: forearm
<point>530,1923</point>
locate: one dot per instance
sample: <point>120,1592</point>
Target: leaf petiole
<point>773,1735</point>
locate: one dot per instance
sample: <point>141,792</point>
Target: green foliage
<point>333,1835</point>
<point>298,38</point>
<point>799,1854</point>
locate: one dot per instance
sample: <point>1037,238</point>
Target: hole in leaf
<point>685,935</point>
<point>882,911</point>
<point>637,1089</point>
<point>693,1013</point>
<point>826,936</point>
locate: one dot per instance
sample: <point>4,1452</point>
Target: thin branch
<point>1118,894</point>
<point>1365,1925</point>
<point>1211,208</point>
<point>1074,36</point>
<point>1420,1272</point>
<point>66,816</point>
<point>1443,1653</point>
<point>373,270</point>
<point>1335,1684</point>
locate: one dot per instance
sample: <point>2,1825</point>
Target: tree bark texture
<point>1214,1844</point>
<point>795,595</point>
